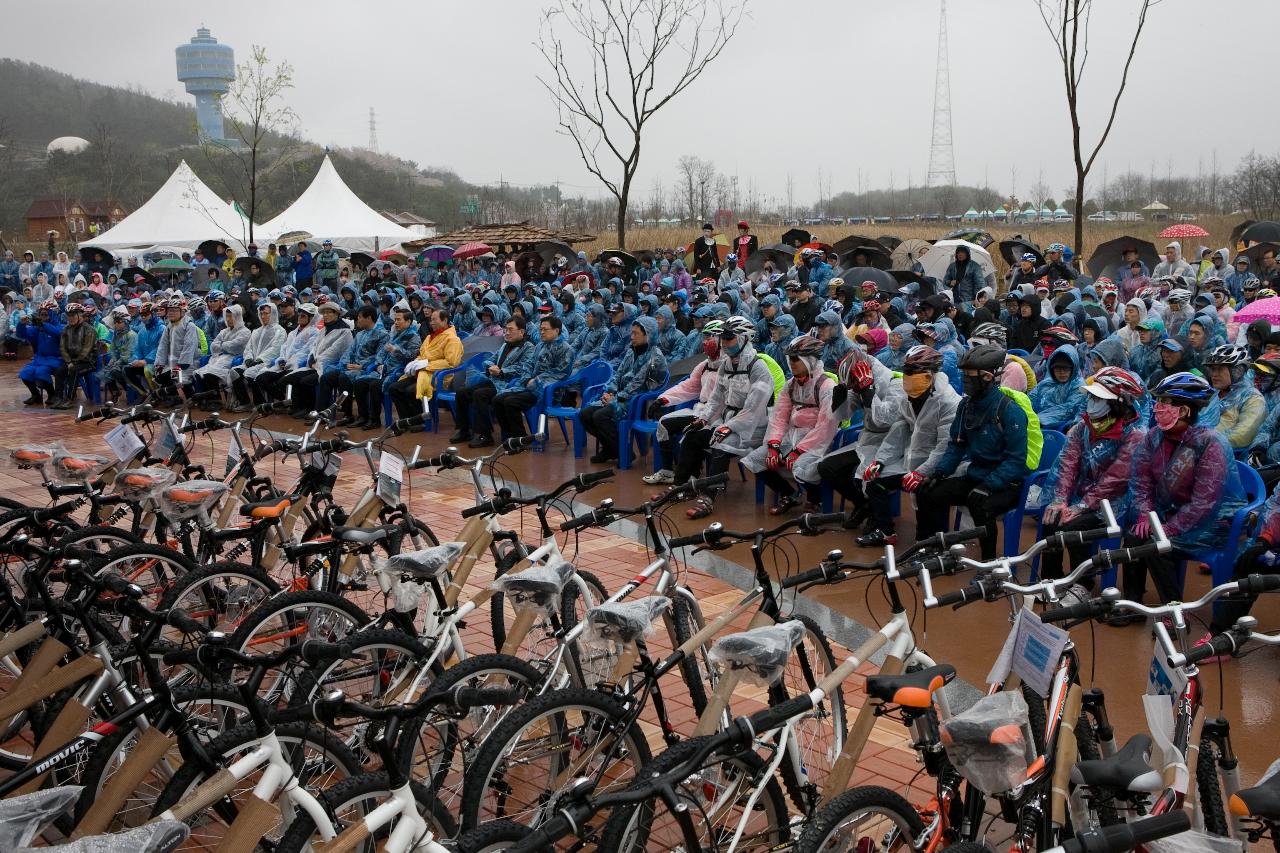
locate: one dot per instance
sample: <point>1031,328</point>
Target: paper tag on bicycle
<point>123,441</point>
<point>166,441</point>
<point>390,476</point>
<point>234,452</point>
<point>1032,650</point>
<point>1164,754</point>
<point>331,463</point>
<point>1162,679</point>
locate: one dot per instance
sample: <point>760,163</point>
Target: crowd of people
<point>1156,388</point>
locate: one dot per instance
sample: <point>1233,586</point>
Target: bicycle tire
<point>802,786</point>
<point>219,607</point>
<point>506,560</point>
<point>348,794</point>
<point>103,532</point>
<point>243,737</point>
<point>556,711</point>
<point>370,647</point>
<point>619,834</point>
<point>1087,748</point>
<point>818,832</point>
<point>1210,793</point>
<point>493,837</point>
<point>442,738</point>
<point>571,613</point>
<point>696,668</point>
<point>1037,717</point>
<point>160,567</point>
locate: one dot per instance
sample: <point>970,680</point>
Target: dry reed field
<point>1219,228</point>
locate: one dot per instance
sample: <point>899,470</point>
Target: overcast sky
<point>841,86</point>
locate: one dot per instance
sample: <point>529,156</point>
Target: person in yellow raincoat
<point>441,349</point>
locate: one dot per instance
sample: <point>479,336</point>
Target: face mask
<point>1097,408</point>
<point>735,347</point>
<point>1167,415</point>
<point>800,380</point>
<point>916,384</point>
<point>711,347</point>
<point>975,386</point>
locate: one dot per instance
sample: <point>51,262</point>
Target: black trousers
<point>1051,567</point>
<point>265,387</point>
<point>367,391</point>
<point>304,384</point>
<point>838,469</point>
<point>1227,611</point>
<point>598,421</point>
<point>934,505</point>
<point>509,408</point>
<point>404,396</point>
<point>695,450</point>
<point>668,448</point>
<point>783,486</point>
<point>331,384</point>
<point>1163,569</point>
<point>472,409</point>
<point>68,377</point>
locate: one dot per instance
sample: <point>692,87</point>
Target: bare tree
<point>687,167</point>
<point>628,60</point>
<point>1068,24</point>
<point>261,126</point>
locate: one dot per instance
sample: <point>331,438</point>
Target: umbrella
<point>1108,257</point>
<point>1237,233</point>
<point>128,273</point>
<point>976,236</point>
<point>1262,309</point>
<point>171,265</point>
<point>889,241</point>
<point>293,237</point>
<point>629,261</point>
<point>1183,230</point>
<point>548,249</point>
<point>883,279</point>
<point>877,256</point>
<point>210,248</point>
<point>820,246</point>
<point>909,276</point>
<point>1256,251</point>
<point>87,252</point>
<point>782,255</point>
<point>399,258</point>
<point>944,252</point>
<point>435,254</point>
<point>1259,232</point>
<point>796,237</point>
<point>906,253</point>
<point>1013,248</point>
<point>364,260</point>
<point>471,250</point>
<point>722,249</point>
<point>845,244</point>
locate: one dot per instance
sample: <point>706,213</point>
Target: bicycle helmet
<point>833,305</point>
<point>1266,372</point>
<point>1061,285</point>
<point>1186,389</point>
<point>1178,294</point>
<point>1056,247</point>
<point>805,346</point>
<point>75,308</point>
<point>1266,293</point>
<point>90,308</point>
<point>713,327</point>
<point>989,333</point>
<point>1229,355</point>
<point>215,294</point>
<point>196,303</point>
<point>1058,335</point>
<point>1028,256</point>
<point>1115,383</point>
<point>48,305</point>
<point>987,357</point>
<point>926,332</point>
<point>921,358</point>
<point>738,326</point>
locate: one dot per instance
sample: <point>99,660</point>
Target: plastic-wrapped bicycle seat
<point>759,655</point>
<point>34,455</point>
<point>537,587</point>
<point>1127,770</point>
<point>23,818</point>
<point>163,835</point>
<point>911,689</point>
<point>991,743</point>
<point>626,621</point>
<point>427,563</point>
<point>138,483</point>
<point>189,498</point>
<point>79,467</point>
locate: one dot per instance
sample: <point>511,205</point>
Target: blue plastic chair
<point>1054,442</point>
<point>1222,561</point>
<point>592,380</point>
<point>450,397</point>
<point>845,437</point>
<point>635,424</point>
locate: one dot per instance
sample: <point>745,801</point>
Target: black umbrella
<point>87,253</point>
<point>1238,231</point>
<point>361,259</point>
<point>210,248</point>
<point>973,235</point>
<point>851,242</point>
<point>629,262</point>
<point>548,249</point>
<point>127,274</point>
<point>1109,256</point>
<point>889,241</point>
<point>1256,251</point>
<point>876,256</point>
<point>796,237</point>
<point>1013,248</point>
<point>1261,232</point>
<point>907,277</point>
<point>884,280</point>
<point>781,254</point>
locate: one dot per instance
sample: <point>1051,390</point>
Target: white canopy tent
<point>183,213</point>
<point>329,210</point>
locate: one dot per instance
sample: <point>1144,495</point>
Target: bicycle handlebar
<point>1127,836</point>
<point>211,654</point>
<point>714,535</point>
<point>606,512</point>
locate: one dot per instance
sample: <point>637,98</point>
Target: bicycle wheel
<point>711,805</point>
<point>318,758</point>
<point>862,819</point>
<point>697,670</point>
<point>99,537</point>
<point>349,801</point>
<point>1208,789</point>
<point>818,735</point>
<point>289,619</point>
<point>210,711</point>
<point>535,754</point>
<point>439,747</point>
<point>590,666</point>
<point>220,595</point>
<point>493,837</point>
<point>1087,748</point>
<point>152,567</point>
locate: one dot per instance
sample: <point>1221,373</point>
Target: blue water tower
<point>208,69</point>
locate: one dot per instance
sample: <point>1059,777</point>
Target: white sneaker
<point>662,477</point>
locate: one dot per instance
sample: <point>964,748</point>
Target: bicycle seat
<point>22,818</point>
<point>32,455</point>
<point>911,689</point>
<point>425,564</point>
<point>79,466</point>
<point>360,535</point>
<point>150,838</point>
<point>1127,770</point>
<point>184,493</point>
<point>761,653</point>
<point>626,621</point>
<point>538,586</point>
<point>146,478</point>
<point>1262,800</point>
<point>270,508</point>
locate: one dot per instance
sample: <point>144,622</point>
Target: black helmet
<point>987,357</point>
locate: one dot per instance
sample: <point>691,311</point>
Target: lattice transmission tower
<point>373,131</point>
<point>942,159</point>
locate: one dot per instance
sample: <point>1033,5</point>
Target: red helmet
<point>1115,383</point>
<point>921,357</point>
<point>1059,335</point>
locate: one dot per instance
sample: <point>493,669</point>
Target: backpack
<point>775,370</point>
<point>1035,436</point>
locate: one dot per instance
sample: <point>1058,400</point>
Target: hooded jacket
<point>298,347</point>
<point>893,358</point>
<point>1092,468</point>
<point>698,385</point>
<point>228,346</point>
<point>1187,483</point>
<point>778,350</point>
<point>332,344</point>
<point>638,371</point>
<point>79,344</point>
<point>670,339</point>
<point>1178,267</point>
<point>552,362</point>
<point>918,439</point>
<point>589,345</point>
<point>1059,404</point>
<point>1144,359</point>
<point>464,317</point>
<point>990,433</point>
<point>264,345</point>
<point>618,341</point>
<point>965,280</point>
<point>396,352</point>
<point>1111,353</point>
<point>838,346</point>
<point>1129,335</point>
<point>363,351</point>
<point>741,399</point>
<point>1243,412</point>
<point>179,345</point>
<point>1025,333</point>
<point>514,361</point>
<point>801,421</point>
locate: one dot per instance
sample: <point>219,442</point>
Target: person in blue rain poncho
<point>828,329</point>
<point>1144,358</point>
<point>618,342</point>
<point>642,368</point>
<point>670,339</point>
<point>1057,399</point>
<point>900,341</point>
<point>782,331</point>
<point>1266,378</point>
<point>588,346</point>
<point>1243,409</point>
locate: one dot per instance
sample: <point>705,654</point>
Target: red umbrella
<point>1184,230</point>
<point>471,250</point>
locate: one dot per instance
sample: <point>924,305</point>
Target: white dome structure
<point>66,145</point>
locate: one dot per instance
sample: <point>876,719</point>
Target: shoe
<point>659,478</point>
<point>61,404</point>
<point>701,508</point>
<point>460,435</point>
<point>1215,658</point>
<point>33,401</point>
<point>855,518</point>
<point>481,441</point>
<point>784,505</point>
<point>367,424</point>
<point>604,456</point>
<point>346,421</point>
<point>1122,620</point>
<point>877,539</point>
